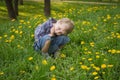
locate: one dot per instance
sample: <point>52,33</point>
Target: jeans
<point>56,42</point>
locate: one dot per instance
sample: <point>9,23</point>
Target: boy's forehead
<point>63,26</point>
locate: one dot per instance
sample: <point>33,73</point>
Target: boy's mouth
<point>55,34</point>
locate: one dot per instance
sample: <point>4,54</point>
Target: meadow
<point>92,54</point>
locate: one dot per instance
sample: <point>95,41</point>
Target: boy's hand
<point>52,31</point>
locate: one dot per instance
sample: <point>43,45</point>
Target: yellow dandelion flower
<point>104,20</point>
<point>84,22</point>
<point>16,31</point>
<point>104,30</point>
<point>88,23</point>
<point>12,37</point>
<point>5,35</point>
<point>85,31</point>
<point>92,65</point>
<point>92,44</point>
<point>97,56</point>
<point>30,58</point>
<point>88,68</point>
<point>19,26</point>
<point>84,67</point>
<point>110,66</point>
<point>18,46</point>
<point>80,62</point>
<point>21,32</point>
<point>89,52</point>
<point>44,62</point>
<point>118,51</point>
<point>22,71</point>
<point>44,19</point>
<point>113,51</point>
<point>0,37</point>
<point>63,55</point>
<point>85,49</point>
<point>109,51</point>
<point>53,75</point>
<point>1,73</point>
<point>118,36</point>
<point>9,41</point>
<point>94,73</point>
<point>71,68</point>
<point>97,53</point>
<point>24,23</point>
<point>21,21</point>
<point>13,20</point>
<point>83,58</point>
<point>53,78</point>
<point>21,47</point>
<point>115,23</point>
<point>36,67</point>
<point>89,30</point>
<point>103,66</point>
<point>97,68</point>
<point>108,16</point>
<point>13,30</point>
<point>90,59</point>
<point>103,72</point>
<point>105,59</point>
<point>6,40</point>
<point>82,42</point>
<point>96,77</point>
<point>28,22</point>
<point>29,26</point>
<point>32,35</point>
<point>52,68</point>
<point>95,28</point>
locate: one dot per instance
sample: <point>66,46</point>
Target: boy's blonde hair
<point>68,23</point>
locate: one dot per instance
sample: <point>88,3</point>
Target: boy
<point>52,35</point>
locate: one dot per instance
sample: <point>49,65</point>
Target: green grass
<point>108,1</point>
<point>92,54</point>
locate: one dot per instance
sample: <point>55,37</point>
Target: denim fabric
<point>56,42</point>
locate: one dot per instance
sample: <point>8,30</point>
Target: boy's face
<point>60,29</point>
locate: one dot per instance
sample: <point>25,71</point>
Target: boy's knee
<point>61,40</point>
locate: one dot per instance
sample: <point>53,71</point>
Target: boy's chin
<point>57,34</point>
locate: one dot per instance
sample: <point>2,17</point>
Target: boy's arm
<point>47,43</point>
<point>46,46</point>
